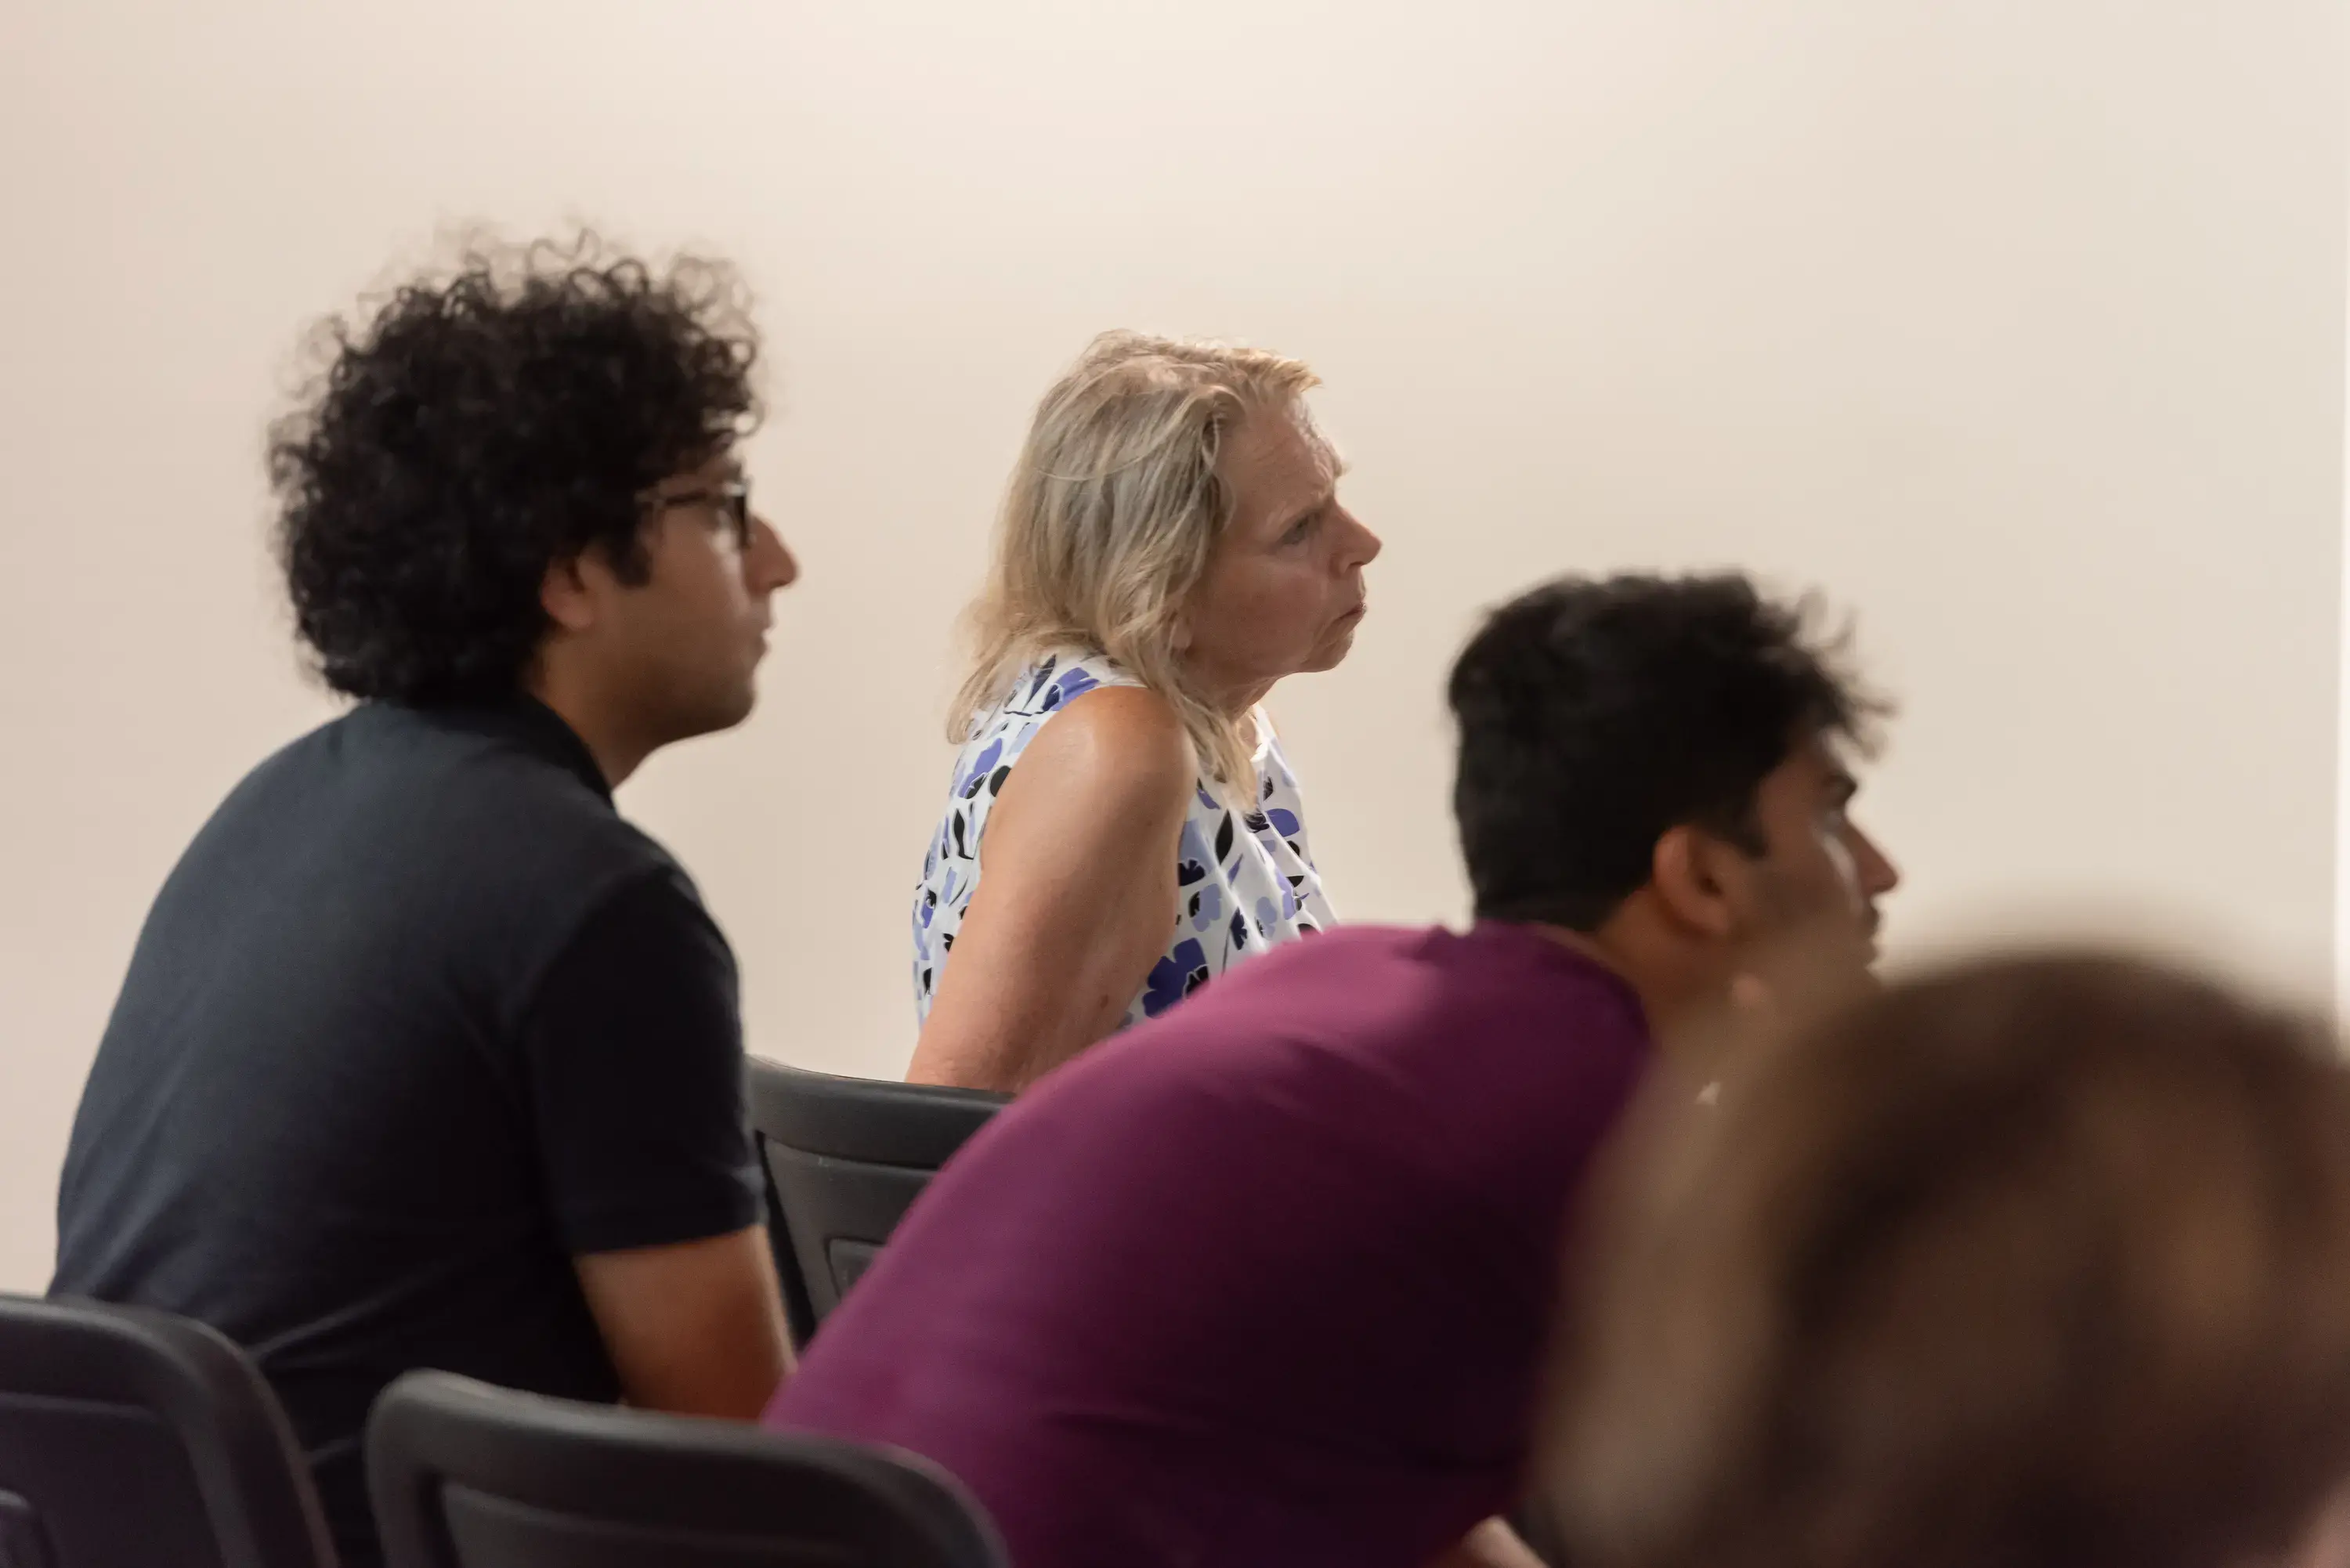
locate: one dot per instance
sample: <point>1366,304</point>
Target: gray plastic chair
<point>468,1476</point>
<point>130,1437</point>
<point>846,1157</point>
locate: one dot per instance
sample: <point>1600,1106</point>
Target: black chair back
<point>468,1476</point>
<point>845,1158</point>
<point>131,1438</point>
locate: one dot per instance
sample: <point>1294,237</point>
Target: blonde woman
<point>1171,545</point>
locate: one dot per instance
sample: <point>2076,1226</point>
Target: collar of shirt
<point>537,728</point>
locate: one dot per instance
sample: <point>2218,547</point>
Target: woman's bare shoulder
<point>1122,745</point>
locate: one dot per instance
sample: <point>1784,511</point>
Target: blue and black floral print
<point>1245,879</point>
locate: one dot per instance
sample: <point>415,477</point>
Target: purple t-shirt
<point>1265,1280</point>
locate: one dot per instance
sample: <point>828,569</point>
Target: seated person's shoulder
<point>1115,746</point>
<point>571,835</point>
<point>498,807</point>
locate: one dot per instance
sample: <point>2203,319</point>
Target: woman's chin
<point>1337,645</point>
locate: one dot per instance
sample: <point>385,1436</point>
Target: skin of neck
<point>566,680</point>
<point>1232,699</point>
<point>1681,983</point>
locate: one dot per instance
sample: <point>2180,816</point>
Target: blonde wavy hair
<point>1109,519</point>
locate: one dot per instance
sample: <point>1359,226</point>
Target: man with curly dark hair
<point>425,1056</point>
<point>1267,1278</point>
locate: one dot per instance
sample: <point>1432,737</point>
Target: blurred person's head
<point>1175,508</point>
<point>521,476</point>
<point>2038,1263</point>
<point>1662,765</point>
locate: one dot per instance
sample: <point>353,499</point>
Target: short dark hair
<point>2038,1261</point>
<point>480,427</point>
<point>1595,714</point>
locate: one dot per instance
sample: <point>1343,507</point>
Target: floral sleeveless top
<point>1245,880</point>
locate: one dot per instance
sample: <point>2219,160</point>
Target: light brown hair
<point>2038,1263</point>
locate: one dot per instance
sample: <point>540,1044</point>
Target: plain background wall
<point>2015,326</point>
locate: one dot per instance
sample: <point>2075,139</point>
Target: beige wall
<point>2017,325</point>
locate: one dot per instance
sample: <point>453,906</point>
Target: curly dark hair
<point>480,426</point>
<point>1597,713</point>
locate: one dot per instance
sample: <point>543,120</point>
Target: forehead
<point>1820,763</point>
<point>723,463</point>
<point>1274,464</point>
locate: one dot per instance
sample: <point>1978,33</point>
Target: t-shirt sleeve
<point>633,1045</point>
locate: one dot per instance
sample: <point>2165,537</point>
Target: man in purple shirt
<point>1266,1280</point>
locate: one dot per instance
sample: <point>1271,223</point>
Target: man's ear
<point>567,595</point>
<point>1691,880</point>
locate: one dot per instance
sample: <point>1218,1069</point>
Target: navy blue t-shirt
<point>417,1018</point>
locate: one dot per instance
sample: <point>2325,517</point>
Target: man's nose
<point>770,564</point>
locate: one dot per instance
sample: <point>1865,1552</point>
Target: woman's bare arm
<point>1076,896</point>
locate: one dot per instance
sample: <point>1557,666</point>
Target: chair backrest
<point>468,1476</point>
<point>130,1437</point>
<point>846,1157</point>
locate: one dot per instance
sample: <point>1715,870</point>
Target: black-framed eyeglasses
<point>730,502</point>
